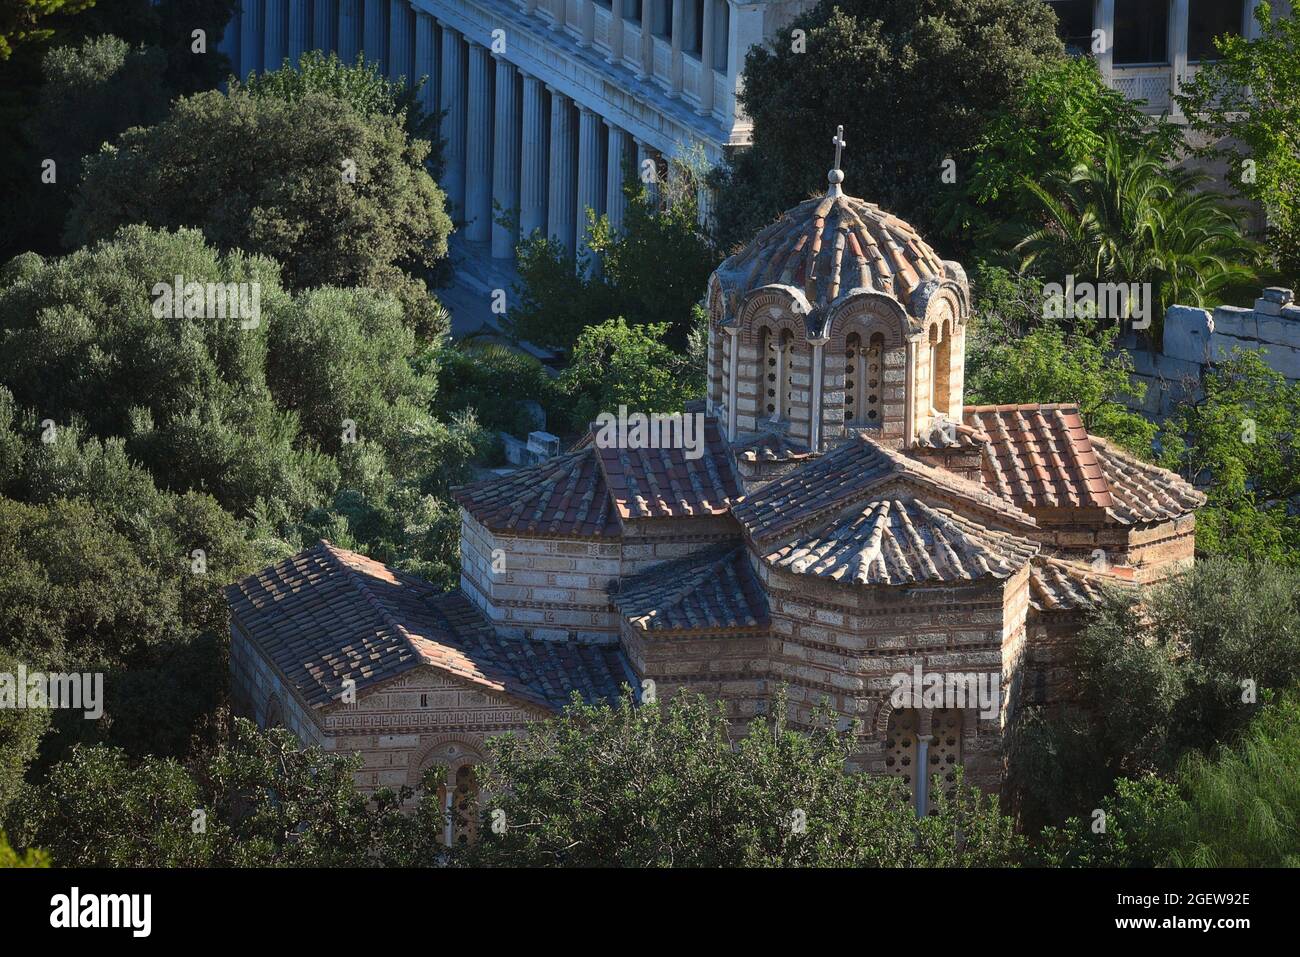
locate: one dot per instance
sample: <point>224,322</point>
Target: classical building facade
<point>1147,49</point>
<point>543,100</point>
<point>845,525</point>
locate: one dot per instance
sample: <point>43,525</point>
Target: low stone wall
<point>1195,340</point>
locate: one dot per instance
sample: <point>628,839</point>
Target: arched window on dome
<point>853,372</point>
<point>773,352</point>
<point>941,377</point>
<point>785,362</point>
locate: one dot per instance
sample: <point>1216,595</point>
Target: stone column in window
<point>478,146</point>
<point>560,221</point>
<point>505,159</point>
<point>615,55</point>
<point>273,49</point>
<point>299,32</point>
<point>615,200</point>
<point>532,179</point>
<point>706,60</point>
<point>733,342</point>
<point>815,412</point>
<point>675,67</point>
<point>1178,52</point>
<point>452,103</point>
<point>373,31</point>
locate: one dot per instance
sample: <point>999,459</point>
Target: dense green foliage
<point>335,196</point>
<point>660,785</point>
<point>914,82</point>
<point>1243,435</point>
<point>652,271</point>
<point>1014,355</point>
<point>1248,103</point>
<point>26,21</point>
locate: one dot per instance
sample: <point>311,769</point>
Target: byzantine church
<point>848,520</point>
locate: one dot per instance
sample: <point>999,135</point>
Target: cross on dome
<point>836,176</point>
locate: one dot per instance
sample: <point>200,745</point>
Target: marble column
<point>615,200</point>
<point>615,32</point>
<point>399,39</point>
<point>706,59</point>
<point>532,178</point>
<point>323,18</point>
<point>478,146</point>
<point>250,39</point>
<point>505,160</point>
<point>452,104</point>
<point>425,68</point>
<point>349,30</point>
<point>1178,53</point>
<point>299,29</point>
<point>561,207</point>
<point>374,30</point>
<point>1106,24</point>
<point>589,173</point>
<point>675,67</point>
<point>273,33</point>
<point>587,17</point>
<point>647,41</point>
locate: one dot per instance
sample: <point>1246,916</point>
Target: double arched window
<point>941,368</point>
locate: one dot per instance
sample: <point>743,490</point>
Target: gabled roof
<point>586,492</point>
<point>1040,456</point>
<point>1142,492</point>
<point>1058,585</point>
<point>849,473</point>
<point>564,496</point>
<point>893,541</point>
<point>712,590</point>
<point>328,614</point>
<point>667,483</point>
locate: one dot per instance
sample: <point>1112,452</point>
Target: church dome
<point>830,246</point>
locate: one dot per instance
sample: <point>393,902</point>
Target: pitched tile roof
<point>772,447</point>
<point>328,614</point>
<point>565,496</point>
<point>1040,456</point>
<point>665,483</point>
<point>712,590</point>
<point>848,472</point>
<point>1141,492</point>
<point>892,541</point>
<point>1057,585</point>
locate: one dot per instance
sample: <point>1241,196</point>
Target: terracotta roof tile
<point>665,483</point>
<point>1057,585</point>
<point>712,590</point>
<point>892,541</point>
<point>1142,492</point>
<point>328,614</point>
<point>850,472</point>
<point>564,496</point>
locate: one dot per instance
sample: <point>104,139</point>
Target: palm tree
<point>1126,218</point>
